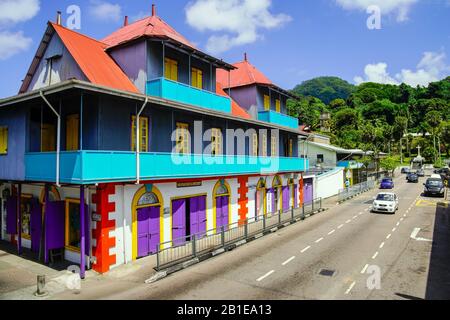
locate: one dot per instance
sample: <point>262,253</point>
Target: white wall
<point>329,184</point>
<point>329,157</point>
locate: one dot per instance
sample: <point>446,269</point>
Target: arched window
<point>222,190</point>
<point>276,182</point>
<point>148,199</point>
<point>261,184</point>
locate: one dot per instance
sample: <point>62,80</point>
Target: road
<point>332,255</point>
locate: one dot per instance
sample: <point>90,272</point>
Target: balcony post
<point>81,121</point>
<point>19,219</point>
<point>44,230</point>
<point>138,143</point>
<point>82,235</point>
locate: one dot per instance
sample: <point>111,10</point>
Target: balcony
<point>278,118</point>
<point>180,92</point>
<point>88,167</point>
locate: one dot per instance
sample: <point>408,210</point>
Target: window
<point>171,69</point>
<point>264,145</point>
<point>266,103</point>
<point>216,141</point>
<point>291,147</point>
<point>3,140</point>
<point>273,146</point>
<point>278,105</point>
<point>25,211</point>
<point>48,137</point>
<point>73,221</point>
<point>320,158</point>
<point>148,199</point>
<point>72,132</point>
<point>197,78</point>
<point>183,140</point>
<point>143,127</point>
<point>255,145</point>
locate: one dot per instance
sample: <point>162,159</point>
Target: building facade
<point>116,148</point>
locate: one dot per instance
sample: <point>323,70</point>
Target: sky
<point>385,41</point>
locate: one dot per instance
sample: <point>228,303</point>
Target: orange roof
<point>152,26</point>
<point>236,109</point>
<point>93,61</point>
<point>245,74</point>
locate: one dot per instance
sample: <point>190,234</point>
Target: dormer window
<point>197,78</point>
<point>171,69</point>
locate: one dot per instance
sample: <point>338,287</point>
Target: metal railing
<point>195,246</point>
<point>352,191</point>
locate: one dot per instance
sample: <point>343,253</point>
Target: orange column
<point>300,186</point>
<point>101,233</point>
<point>243,199</point>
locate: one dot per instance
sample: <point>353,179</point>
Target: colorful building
<point>116,147</point>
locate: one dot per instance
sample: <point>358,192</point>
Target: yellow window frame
<point>48,135</point>
<point>66,223</point>
<point>25,196</point>
<point>216,141</point>
<point>266,102</point>
<point>171,69</point>
<point>273,146</point>
<point>3,140</point>
<point>143,125</point>
<point>255,145</point>
<point>182,144</point>
<point>72,132</point>
<point>291,148</point>
<point>197,78</point>
<point>264,145</point>
<point>278,105</point>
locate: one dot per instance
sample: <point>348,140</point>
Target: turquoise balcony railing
<point>88,167</point>
<point>278,118</point>
<point>180,92</point>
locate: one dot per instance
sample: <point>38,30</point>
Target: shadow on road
<point>438,283</point>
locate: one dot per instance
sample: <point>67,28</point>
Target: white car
<point>385,202</point>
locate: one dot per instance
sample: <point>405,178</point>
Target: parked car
<point>385,202</point>
<point>387,183</point>
<point>442,171</point>
<point>434,187</point>
<point>412,177</point>
<point>420,173</point>
<point>406,170</point>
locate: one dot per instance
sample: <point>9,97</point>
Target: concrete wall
<point>312,151</point>
<point>329,184</point>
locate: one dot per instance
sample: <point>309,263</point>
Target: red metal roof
<point>152,26</point>
<point>245,74</point>
<point>236,109</point>
<point>92,59</point>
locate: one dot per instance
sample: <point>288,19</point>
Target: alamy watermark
<point>374,20</point>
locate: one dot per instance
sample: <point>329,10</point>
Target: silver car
<point>385,202</point>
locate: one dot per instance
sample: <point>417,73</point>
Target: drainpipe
<point>138,143</point>
<point>58,143</point>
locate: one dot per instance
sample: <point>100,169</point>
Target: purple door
<point>55,225</point>
<point>286,198</point>
<point>148,230</point>
<point>11,215</point>
<point>308,191</point>
<point>179,221</point>
<point>222,217</point>
<point>272,197</point>
<point>295,196</point>
<point>36,225</point>
<point>198,215</point>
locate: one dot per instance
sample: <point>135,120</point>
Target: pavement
<point>346,252</point>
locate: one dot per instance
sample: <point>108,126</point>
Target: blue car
<point>387,183</point>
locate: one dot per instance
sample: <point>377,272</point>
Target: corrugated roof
<point>152,26</point>
<point>92,59</point>
<point>236,109</point>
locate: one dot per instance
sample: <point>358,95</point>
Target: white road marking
<point>306,249</point>
<point>350,288</point>
<point>401,219</point>
<point>364,269</point>
<point>340,226</point>
<point>415,233</point>
<point>393,229</point>
<point>331,232</point>
<point>398,223</point>
<point>404,215</point>
<point>288,260</point>
<point>366,209</point>
<point>265,276</point>
<point>381,245</point>
<point>388,236</point>
<point>361,213</point>
<point>375,255</point>
<point>348,221</point>
<point>355,217</point>
<point>318,240</point>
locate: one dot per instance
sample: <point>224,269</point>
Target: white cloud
<point>399,7</point>
<point>14,11</point>
<point>12,43</point>
<point>236,22</point>
<point>105,11</point>
<point>432,67</point>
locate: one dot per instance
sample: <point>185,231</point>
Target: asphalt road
<point>346,252</point>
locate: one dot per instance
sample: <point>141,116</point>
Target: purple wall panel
<point>142,230</point>
<point>308,191</point>
<point>178,221</point>
<point>36,225</point>
<point>55,228</point>
<point>11,215</point>
<point>286,198</point>
<point>295,196</point>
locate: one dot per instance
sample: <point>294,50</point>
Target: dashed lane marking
<point>340,226</point>
<point>364,269</point>
<point>350,288</point>
<point>288,260</point>
<point>375,255</point>
<point>265,276</point>
<point>331,232</point>
<point>388,236</point>
<point>393,229</point>
<point>381,245</point>
<point>305,249</point>
<point>318,240</point>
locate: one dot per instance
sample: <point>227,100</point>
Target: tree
<point>348,118</point>
<point>389,164</point>
<point>433,122</point>
<point>307,110</point>
<point>326,89</point>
